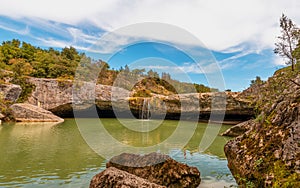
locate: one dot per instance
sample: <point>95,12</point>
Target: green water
<point>49,155</point>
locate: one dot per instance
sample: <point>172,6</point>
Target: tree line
<point>23,59</point>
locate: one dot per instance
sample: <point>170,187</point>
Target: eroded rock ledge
<point>152,170</point>
<point>59,98</point>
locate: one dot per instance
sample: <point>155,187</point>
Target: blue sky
<point>237,37</point>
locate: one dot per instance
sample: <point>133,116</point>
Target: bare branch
<point>295,82</point>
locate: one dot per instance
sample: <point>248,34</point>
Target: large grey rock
<point>157,168</point>
<point>115,178</point>
<point>30,113</point>
<point>10,92</point>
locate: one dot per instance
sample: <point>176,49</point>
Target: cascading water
<point>145,111</point>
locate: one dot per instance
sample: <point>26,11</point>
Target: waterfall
<point>145,109</point>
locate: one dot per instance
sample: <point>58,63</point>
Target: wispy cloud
<point>186,68</point>
<point>53,42</point>
<point>234,61</point>
<point>79,36</point>
<point>25,31</point>
<point>220,25</point>
<point>49,33</point>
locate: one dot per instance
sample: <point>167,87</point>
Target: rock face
<point>155,168</point>
<point>57,96</point>
<point>10,92</point>
<point>113,177</point>
<point>239,129</point>
<point>268,155</point>
<point>30,113</point>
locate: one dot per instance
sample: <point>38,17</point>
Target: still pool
<point>57,155</point>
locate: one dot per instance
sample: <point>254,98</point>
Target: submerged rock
<point>30,113</point>
<point>156,168</point>
<point>115,178</point>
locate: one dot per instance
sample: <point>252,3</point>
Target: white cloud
<point>221,25</point>
<point>279,61</point>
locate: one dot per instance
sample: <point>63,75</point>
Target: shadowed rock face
<point>157,168</point>
<point>268,154</point>
<point>58,97</point>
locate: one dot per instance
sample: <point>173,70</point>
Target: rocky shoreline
<point>266,152</point>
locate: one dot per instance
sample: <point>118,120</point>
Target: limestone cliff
<point>268,155</point>
<point>61,97</point>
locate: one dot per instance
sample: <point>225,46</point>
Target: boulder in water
<point>156,168</point>
<point>113,177</point>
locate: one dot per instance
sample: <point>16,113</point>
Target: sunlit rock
<point>30,113</point>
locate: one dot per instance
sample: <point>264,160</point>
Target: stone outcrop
<point>58,97</point>
<point>10,92</point>
<point>155,168</point>
<point>61,97</point>
<point>30,113</point>
<point>115,178</point>
<point>239,129</point>
<point>268,155</point>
